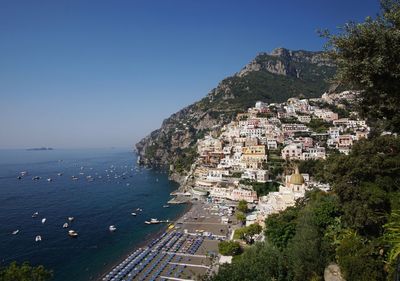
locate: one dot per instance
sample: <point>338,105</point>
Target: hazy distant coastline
<point>39,148</point>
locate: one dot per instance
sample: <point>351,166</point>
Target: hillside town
<point>262,147</point>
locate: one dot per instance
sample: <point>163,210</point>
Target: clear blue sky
<point>106,73</point>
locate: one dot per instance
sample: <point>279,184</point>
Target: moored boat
<point>152,221</point>
<point>43,220</point>
<point>112,228</point>
<point>35,214</point>
<point>65,225</point>
<point>38,238</point>
<point>15,232</point>
<point>72,233</point>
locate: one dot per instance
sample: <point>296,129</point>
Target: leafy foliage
<point>392,237</point>
<point>24,272</point>
<point>262,188</point>
<point>229,248</point>
<point>262,262</point>
<point>247,233</point>
<point>242,206</point>
<point>241,217</point>
<point>318,125</point>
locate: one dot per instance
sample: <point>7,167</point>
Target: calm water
<point>119,187</point>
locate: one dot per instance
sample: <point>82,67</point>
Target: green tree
<point>247,233</point>
<point>261,262</point>
<point>281,227</point>
<point>24,272</point>
<point>242,206</point>
<point>392,237</point>
<point>306,256</point>
<point>359,258</point>
<point>368,59</point>
<point>229,248</point>
<point>241,217</point>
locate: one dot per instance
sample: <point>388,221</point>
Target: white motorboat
<point>15,232</point>
<point>38,238</point>
<point>112,228</point>
<point>49,179</point>
<point>133,214</point>
<point>71,218</point>
<point>166,206</point>
<point>152,221</point>
<point>43,220</point>
<point>35,214</point>
<point>73,233</point>
<point>65,225</point>
<point>59,174</point>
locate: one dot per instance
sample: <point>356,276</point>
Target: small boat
<point>43,220</point>
<point>152,221</point>
<point>35,214</point>
<point>139,210</point>
<point>23,173</point>
<point>166,206</point>
<point>38,238</point>
<point>133,214</point>
<point>74,178</point>
<point>73,233</point>
<point>71,218</point>
<point>19,177</point>
<point>59,174</point>
<point>49,179</point>
<point>112,228</point>
<point>15,232</point>
<point>65,225</point>
<point>35,178</point>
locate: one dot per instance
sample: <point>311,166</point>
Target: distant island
<point>40,148</point>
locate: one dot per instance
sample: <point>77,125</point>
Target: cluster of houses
<point>239,154</point>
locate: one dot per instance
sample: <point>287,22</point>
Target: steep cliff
<point>269,77</point>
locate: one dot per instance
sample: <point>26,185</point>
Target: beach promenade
<point>187,250</point>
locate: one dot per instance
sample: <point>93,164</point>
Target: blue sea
<point>109,188</point>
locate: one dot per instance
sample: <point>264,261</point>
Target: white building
<point>292,151</point>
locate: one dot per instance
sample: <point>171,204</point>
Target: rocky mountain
<point>269,77</point>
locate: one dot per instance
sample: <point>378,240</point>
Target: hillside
<point>269,77</point>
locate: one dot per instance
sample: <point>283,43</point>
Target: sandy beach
<point>185,250</point>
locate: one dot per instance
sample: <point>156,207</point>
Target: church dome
<point>296,178</point>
